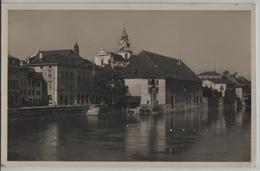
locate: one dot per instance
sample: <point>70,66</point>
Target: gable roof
<point>151,65</point>
<point>209,73</point>
<point>117,57</point>
<point>64,57</point>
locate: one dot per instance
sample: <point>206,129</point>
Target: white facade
<point>139,87</point>
<point>220,87</point>
<point>102,58</point>
<point>239,92</point>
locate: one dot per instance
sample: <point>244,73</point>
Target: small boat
<point>148,112</point>
<point>132,111</point>
<point>93,110</point>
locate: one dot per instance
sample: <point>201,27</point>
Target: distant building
<point>124,45</point>
<point>69,77</point>
<point>214,80</point>
<point>104,58</point>
<point>241,85</point>
<point>115,60</point>
<point>245,85</point>
<point>158,79</point>
<point>25,86</point>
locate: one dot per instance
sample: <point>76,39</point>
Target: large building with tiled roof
<point>68,75</point>
<point>158,79</point>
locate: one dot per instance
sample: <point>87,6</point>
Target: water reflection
<point>199,135</point>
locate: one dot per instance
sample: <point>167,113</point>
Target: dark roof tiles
<point>61,57</point>
<point>209,73</point>
<point>151,65</point>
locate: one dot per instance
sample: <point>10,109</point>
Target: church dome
<point>101,52</point>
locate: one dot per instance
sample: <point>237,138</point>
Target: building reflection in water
<point>153,137</point>
<point>50,142</point>
<point>193,135</point>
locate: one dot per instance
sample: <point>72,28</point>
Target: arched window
<point>49,99</point>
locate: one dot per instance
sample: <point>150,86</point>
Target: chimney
<point>179,62</point>
<point>40,55</point>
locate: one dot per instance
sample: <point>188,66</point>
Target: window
<point>41,67</point>
<point>50,99</point>
<point>60,74</point>
<point>78,98</point>
<point>67,75</point>
<point>126,55</point>
<point>38,92</point>
<point>86,99</point>
<point>147,102</point>
<point>102,62</point>
<point>50,85</point>
<point>30,92</point>
<point>49,66</point>
<point>71,75</point>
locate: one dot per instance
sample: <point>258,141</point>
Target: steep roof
<point>242,80</point>
<point>64,57</point>
<point>209,73</point>
<point>151,65</point>
<point>219,81</point>
<point>118,57</point>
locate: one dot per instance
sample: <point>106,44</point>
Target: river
<point>198,135</point>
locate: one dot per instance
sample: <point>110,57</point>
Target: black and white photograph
<point>129,85</point>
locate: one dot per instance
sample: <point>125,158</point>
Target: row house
<point>25,86</point>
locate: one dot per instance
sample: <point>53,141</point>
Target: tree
<point>111,86</point>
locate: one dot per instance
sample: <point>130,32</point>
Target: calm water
<point>209,135</point>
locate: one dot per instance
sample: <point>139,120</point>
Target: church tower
<point>76,49</point>
<point>124,45</point>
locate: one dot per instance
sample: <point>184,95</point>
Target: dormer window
<point>133,71</point>
<point>40,55</point>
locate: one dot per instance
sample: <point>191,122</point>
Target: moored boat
<point>94,110</point>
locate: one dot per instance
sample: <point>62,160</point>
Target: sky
<point>204,40</point>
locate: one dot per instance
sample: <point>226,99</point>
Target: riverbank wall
<point>46,112</point>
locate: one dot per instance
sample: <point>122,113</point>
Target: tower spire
<point>76,47</point>
<point>124,45</point>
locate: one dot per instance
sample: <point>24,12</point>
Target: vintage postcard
<point>141,84</point>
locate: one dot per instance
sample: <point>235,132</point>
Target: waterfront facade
<point>69,77</point>
<point>158,79</point>
<point>25,86</point>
